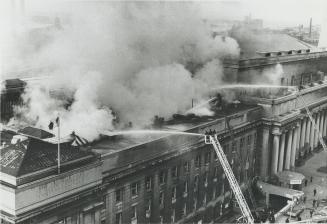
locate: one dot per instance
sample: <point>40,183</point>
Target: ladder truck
<point>246,212</point>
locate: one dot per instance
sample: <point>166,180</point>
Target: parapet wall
<point>290,103</point>
<point>296,68</point>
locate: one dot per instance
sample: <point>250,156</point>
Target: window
<point>148,183</point>
<point>196,182</point>
<point>226,149</point>
<point>207,158</point>
<point>254,140</point>
<point>195,203</point>
<point>249,140</point>
<point>214,193</point>
<point>104,201</point>
<point>173,216</point>
<point>162,177</point>
<point>161,198</point>
<point>206,177</point>
<point>185,187</point>
<point>186,167</point>
<point>119,195</point>
<point>173,194</point>
<point>215,155</point>
<point>134,189</point>
<point>205,199</point>
<point>134,212</point>
<point>148,209</point>
<point>198,161</point>
<point>184,210</point>
<point>119,217</point>
<point>215,172</point>
<point>174,172</point>
<point>242,143</point>
<point>234,146</point>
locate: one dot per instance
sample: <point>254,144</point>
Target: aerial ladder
<point>249,184</point>
<point>321,140</point>
<point>246,212</point>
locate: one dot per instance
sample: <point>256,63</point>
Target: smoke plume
<point>130,58</point>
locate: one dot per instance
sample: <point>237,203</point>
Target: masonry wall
<point>208,200</point>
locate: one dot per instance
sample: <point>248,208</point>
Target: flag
<point>51,125</point>
<point>57,121</point>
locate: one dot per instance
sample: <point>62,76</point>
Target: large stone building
<point>169,177</point>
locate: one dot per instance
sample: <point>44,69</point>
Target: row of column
<point>284,149</point>
<point>310,136</point>
<point>290,144</point>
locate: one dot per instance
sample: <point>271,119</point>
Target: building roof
<point>36,132</point>
<point>111,144</point>
<point>33,154</point>
<point>251,42</point>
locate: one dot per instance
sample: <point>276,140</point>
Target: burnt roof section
<point>33,154</point>
<point>182,123</point>
<point>36,132</point>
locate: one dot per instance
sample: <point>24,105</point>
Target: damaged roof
<point>34,154</point>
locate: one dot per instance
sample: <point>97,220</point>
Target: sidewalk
<point>319,183</point>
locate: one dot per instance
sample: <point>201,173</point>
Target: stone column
<point>325,124</point>
<point>308,130</point>
<point>275,152</point>
<point>317,129</point>
<point>281,153</point>
<point>312,133</point>
<point>294,145</point>
<point>88,218</point>
<point>265,152</point>
<point>303,131</point>
<point>322,119</point>
<point>321,126</point>
<point>289,149</point>
<point>97,216</point>
<point>298,140</point>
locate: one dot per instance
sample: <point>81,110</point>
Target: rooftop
<point>182,123</point>
<point>30,154</point>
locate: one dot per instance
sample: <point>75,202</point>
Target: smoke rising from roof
<point>130,58</point>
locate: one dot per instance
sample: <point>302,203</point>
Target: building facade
<point>168,178</point>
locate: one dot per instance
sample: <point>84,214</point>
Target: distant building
<point>11,92</point>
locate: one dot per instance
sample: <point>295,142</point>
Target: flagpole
<point>58,124</point>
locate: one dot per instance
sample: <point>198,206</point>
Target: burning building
<point>167,173</point>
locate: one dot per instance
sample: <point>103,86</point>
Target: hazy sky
<point>274,12</point>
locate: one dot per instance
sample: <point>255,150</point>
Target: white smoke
<point>272,76</point>
<point>139,52</point>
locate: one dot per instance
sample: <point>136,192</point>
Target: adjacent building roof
<point>34,154</point>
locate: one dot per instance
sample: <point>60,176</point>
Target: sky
<point>275,13</point>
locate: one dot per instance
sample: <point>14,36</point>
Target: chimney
<point>310,29</point>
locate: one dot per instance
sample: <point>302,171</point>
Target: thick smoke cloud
<point>128,58</point>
